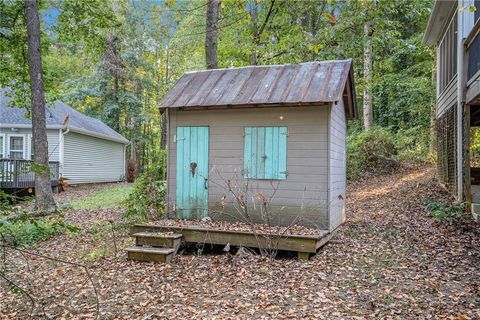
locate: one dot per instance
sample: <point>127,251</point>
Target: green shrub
<point>444,212</point>
<point>413,144</point>
<point>29,231</point>
<point>369,151</point>
<point>6,201</point>
<point>148,197</point>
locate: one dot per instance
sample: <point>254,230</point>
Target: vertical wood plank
<point>254,153</point>
<point>247,153</point>
<point>179,188</point>
<point>275,153</point>
<point>260,153</point>
<point>282,153</point>
<point>268,154</point>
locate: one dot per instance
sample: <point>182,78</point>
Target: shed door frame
<point>192,171</point>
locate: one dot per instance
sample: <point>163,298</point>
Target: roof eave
<point>351,95</point>
<point>98,135</point>
<point>438,18</point>
<point>71,128</point>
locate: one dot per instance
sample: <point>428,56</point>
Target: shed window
<point>265,153</point>
<point>17,147</point>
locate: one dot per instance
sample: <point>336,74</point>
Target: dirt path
<point>390,260</point>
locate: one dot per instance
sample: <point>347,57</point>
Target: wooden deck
<point>305,245</point>
<point>18,174</point>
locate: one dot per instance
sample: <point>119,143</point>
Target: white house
<point>454,28</point>
<point>85,149</point>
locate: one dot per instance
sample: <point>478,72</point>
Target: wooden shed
<point>263,136</point>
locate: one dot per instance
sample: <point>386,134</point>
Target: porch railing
<point>19,173</point>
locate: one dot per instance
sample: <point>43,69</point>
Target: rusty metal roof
<point>293,84</point>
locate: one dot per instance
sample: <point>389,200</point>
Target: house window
<point>447,55</point>
<point>17,147</point>
<point>2,146</point>
<point>265,153</point>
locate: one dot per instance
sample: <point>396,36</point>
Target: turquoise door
<point>192,172</point>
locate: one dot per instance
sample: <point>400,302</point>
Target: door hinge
<point>285,133</point>
<point>284,172</point>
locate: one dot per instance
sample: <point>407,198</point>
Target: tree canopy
<point>116,59</point>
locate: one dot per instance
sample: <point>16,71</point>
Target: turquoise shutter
<point>265,153</point>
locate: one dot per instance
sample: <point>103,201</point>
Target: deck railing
<point>19,173</point>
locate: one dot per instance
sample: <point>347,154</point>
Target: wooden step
<point>156,239</point>
<point>150,254</point>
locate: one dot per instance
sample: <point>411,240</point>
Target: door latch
<point>193,166</point>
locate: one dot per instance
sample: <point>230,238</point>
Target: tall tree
<point>44,201</point>
<point>367,71</point>
<point>211,36</point>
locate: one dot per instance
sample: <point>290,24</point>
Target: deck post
<point>305,256</point>
<point>15,173</point>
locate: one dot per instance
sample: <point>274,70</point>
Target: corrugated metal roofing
<point>306,83</point>
<point>55,117</point>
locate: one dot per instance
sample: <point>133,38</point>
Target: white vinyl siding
<point>88,159</point>
<point>52,139</point>
<point>337,166</point>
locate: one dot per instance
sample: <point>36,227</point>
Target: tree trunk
<point>137,129</point>
<point>211,37</point>
<point>367,74</point>
<point>255,35</point>
<point>43,189</point>
<point>163,133</point>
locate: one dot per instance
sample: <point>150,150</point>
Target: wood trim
<point>195,234</point>
<point>246,106</point>
<point>474,78</point>
<point>24,136</point>
<point>4,145</point>
<point>473,34</point>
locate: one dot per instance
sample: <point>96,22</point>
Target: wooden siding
<point>447,98</point>
<point>304,194</point>
<point>337,166</point>
<point>53,138</point>
<point>90,160</point>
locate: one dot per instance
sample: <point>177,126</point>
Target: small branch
<point>85,268</point>
<point>32,300</point>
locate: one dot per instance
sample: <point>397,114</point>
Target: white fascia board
<point>72,128</point>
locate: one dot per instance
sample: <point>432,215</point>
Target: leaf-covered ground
<point>390,260</point>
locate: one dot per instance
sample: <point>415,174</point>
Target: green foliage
<point>6,201</point>
<point>115,60</point>
<point>106,198</point>
<point>149,192</point>
<point>97,254</point>
<point>365,148</point>
<point>29,231</point>
<point>446,212</point>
